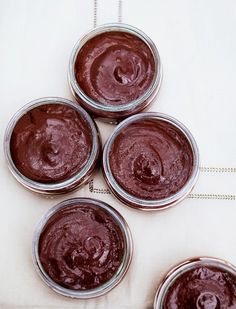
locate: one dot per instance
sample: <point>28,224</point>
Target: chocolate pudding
<point>203,287</point>
<point>115,68</point>
<point>51,143</point>
<point>151,159</point>
<point>81,247</point>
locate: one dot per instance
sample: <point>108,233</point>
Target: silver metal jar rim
<point>143,204</point>
<point>106,287</point>
<point>59,187</point>
<point>181,268</point>
<point>151,92</point>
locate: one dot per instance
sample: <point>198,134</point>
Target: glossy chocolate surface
<point>81,247</point>
<point>203,287</point>
<point>151,159</point>
<point>51,143</point>
<point>114,68</point>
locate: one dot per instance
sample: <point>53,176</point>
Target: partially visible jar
<point>151,161</point>
<point>119,68</point>
<point>82,248</point>
<point>198,283</point>
<point>52,145</point>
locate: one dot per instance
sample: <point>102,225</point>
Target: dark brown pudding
<point>51,143</point>
<point>203,287</point>
<point>114,68</point>
<point>81,247</point>
<point>151,159</point>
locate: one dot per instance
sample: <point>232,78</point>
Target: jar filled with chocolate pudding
<point>82,248</point>
<point>200,283</point>
<point>51,145</point>
<point>115,71</point>
<point>151,161</point>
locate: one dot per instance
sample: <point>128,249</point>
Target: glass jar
<point>65,185</point>
<point>114,216</point>
<point>113,113</point>
<point>146,203</point>
<point>206,299</point>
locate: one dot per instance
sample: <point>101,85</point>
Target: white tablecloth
<point>197,44</point>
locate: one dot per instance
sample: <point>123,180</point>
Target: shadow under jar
<point>151,161</point>
<point>115,71</point>
<point>51,145</point>
<point>82,248</point>
<point>198,283</point>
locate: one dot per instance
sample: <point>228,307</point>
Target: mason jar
<point>39,142</point>
<point>140,167</point>
<point>207,282</point>
<point>115,112</point>
<point>90,235</point>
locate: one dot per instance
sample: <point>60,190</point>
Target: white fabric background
<point>197,43</point>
